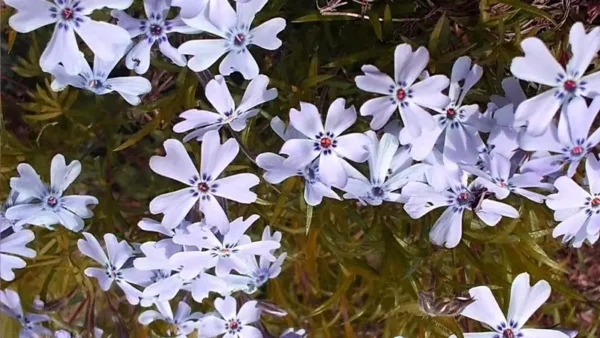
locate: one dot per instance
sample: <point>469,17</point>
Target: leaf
<point>340,290</point>
<point>148,128</point>
<point>434,38</point>
<point>286,190</point>
<point>528,8</point>
<point>360,56</point>
<point>319,17</point>
<point>43,117</point>
<point>387,20</point>
<point>313,81</point>
<point>309,215</point>
<point>374,20</point>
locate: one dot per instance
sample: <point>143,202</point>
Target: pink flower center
<point>570,85</point>
<point>501,184</point>
<point>596,202</point>
<point>67,13</point>
<point>233,324</point>
<point>450,113</point>
<point>508,333</point>
<point>401,94</point>
<point>155,29</point>
<point>325,142</point>
<point>52,201</point>
<point>224,251</point>
<point>203,187</point>
<point>239,39</point>
<point>577,150</point>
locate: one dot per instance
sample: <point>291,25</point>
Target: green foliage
<point>351,270</point>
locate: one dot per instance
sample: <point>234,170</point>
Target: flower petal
<point>91,248</point>
<point>526,299</point>
<point>237,187</point>
<point>381,109</point>
<point>276,171</point>
<point>100,274</point>
<point>331,171</point>
<point>106,41</point>
<point>61,174</point>
<point>428,93</point>
<point>353,147</point>
<point>28,184</point>
<point>584,48</point>
<point>538,65</point>
<point>205,52</point>
<point>31,14</point>
<point>339,118</point>
<point>256,93</point>
<point>484,309</point>
<point>415,66</point>
<point>447,230</point>
<point>62,49</point>
<point>537,112</point>
<point>265,35</point>
<point>239,61</point>
<point>249,312</point>
<point>227,307</point>
<point>570,195</point>
<point>543,333</point>
<point>131,25</point>
<point>374,81</point>
<point>214,214</point>
<point>176,164</point>
<point>215,156</point>
<point>130,87</point>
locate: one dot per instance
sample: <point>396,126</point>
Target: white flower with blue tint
<point>569,143</point>
<point>233,29</point>
<point>153,30</point>
<point>386,178</point>
<point>48,205</point>
<point>217,93</point>
<point>402,93</point>
<point>96,80</point>
<point>232,323</point>
<point>114,268</point>
<point>460,124</point>
<point>577,209</point>
<point>184,321</point>
<point>325,142</point>
<point>106,41</point>
<point>300,333</point>
<point>204,186</point>
<point>224,254</point>
<point>524,301</point>
<point>501,179</point>
<point>277,171</point>
<point>10,304</point>
<point>538,65</point>
<point>13,244</point>
<point>447,230</point>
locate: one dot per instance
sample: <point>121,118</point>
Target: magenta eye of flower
<point>508,333</point>
<point>155,29</point>
<point>325,142</point>
<point>577,150</point>
<point>570,85</point>
<point>203,187</point>
<point>463,196</point>
<point>239,39</point>
<point>401,94</point>
<point>67,13</point>
<point>595,202</point>
<point>52,201</point>
<point>450,113</point>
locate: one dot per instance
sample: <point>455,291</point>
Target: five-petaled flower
<point>185,321</point>
<point>12,244</point>
<point>232,323</point>
<point>524,301</point>
<point>48,205</point>
<point>96,80</point>
<point>224,254</point>
<point>107,41</point>
<point>202,187</point>
<point>459,123</point>
<point>153,29</point>
<point>577,210</point>
<point>10,304</point>
<point>538,65</point>
<point>233,28</point>
<point>569,141</point>
<point>402,92</point>
<point>227,114</point>
<point>325,142</point>
<point>114,266</point>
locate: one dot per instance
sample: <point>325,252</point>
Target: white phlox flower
<point>13,244</point>
<point>232,323</point>
<point>48,206</point>
<point>184,321</point>
<point>217,93</point>
<point>233,27</point>
<point>10,304</point>
<point>106,41</point>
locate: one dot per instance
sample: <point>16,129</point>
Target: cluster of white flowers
<point>434,156</point>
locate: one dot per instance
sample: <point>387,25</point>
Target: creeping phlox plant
<point>428,149</point>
